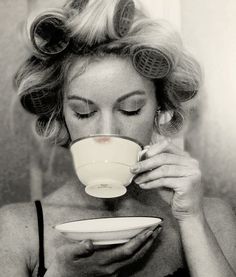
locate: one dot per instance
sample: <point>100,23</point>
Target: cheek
<point>140,128</point>
<point>143,131</point>
<point>72,123</point>
<point>77,129</point>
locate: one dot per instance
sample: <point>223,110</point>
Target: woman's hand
<point>166,165</point>
<point>81,259</point>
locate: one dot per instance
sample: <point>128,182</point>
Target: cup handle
<point>141,153</point>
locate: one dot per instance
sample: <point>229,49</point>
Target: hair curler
<point>39,103</point>
<point>123,17</point>
<point>77,4</point>
<point>47,32</point>
<point>181,91</point>
<point>151,62</point>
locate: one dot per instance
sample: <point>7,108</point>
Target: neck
<point>73,195</point>
<point>110,204</point>
<point>133,195</point>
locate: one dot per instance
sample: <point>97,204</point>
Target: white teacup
<point>102,163</point>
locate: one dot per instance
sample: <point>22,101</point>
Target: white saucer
<point>108,230</point>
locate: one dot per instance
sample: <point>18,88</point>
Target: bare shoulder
<point>220,215</point>
<point>17,217</point>
<point>17,229</point>
<point>222,221</point>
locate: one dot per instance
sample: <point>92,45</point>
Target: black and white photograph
<point>118,138</point>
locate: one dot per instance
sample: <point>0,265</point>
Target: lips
<point>102,139</point>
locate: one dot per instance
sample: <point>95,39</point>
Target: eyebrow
<point>120,99</point>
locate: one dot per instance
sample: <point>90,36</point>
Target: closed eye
<point>88,115</point>
<point>130,113</point>
<point>84,115</point>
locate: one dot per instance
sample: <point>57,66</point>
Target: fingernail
<point>142,153</point>
<point>148,234</point>
<point>157,230</point>
<point>135,168</point>
<point>142,185</point>
<point>138,180</point>
<point>88,245</point>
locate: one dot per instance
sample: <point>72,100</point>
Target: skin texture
<point>203,228</point>
<point>164,164</point>
<point>105,84</point>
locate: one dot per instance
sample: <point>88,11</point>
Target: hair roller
<point>48,33</point>
<point>39,103</point>
<point>76,4</point>
<point>123,17</point>
<point>102,20</point>
<point>169,123</point>
<point>151,63</point>
<point>183,84</point>
<point>180,90</point>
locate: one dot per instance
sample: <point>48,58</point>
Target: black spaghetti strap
<point>41,268</point>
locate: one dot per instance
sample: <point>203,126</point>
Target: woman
<point>114,71</point>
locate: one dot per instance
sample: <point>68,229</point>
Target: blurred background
<point>29,169</point>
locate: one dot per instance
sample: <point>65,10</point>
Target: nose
<point>107,125</point>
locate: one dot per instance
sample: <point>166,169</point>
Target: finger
<point>137,256</point>
<point>163,159</point>
<point>166,146</point>
<point>125,251</point>
<point>141,153</point>
<point>140,253</point>
<point>165,171</point>
<point>76,250</point>
<point>176,184</point>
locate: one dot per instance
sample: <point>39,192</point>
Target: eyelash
<point>84,116</point>
<point>131,113</point>
<point>127,113</point>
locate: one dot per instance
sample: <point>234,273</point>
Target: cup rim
<point>108,135</point>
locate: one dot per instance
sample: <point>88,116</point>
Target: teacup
<point>102,163</point>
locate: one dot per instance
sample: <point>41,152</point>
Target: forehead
<point>109,77</point>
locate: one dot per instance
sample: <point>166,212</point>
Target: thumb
<point>86,248</point>
<point>79,250</point>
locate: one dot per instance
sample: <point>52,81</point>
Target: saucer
<point>108,230</point>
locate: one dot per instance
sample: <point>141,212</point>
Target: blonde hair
<point>42,81</point>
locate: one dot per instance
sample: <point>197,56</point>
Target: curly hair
<point>91,31</point>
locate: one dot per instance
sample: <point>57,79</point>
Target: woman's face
<point>110,97</point>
